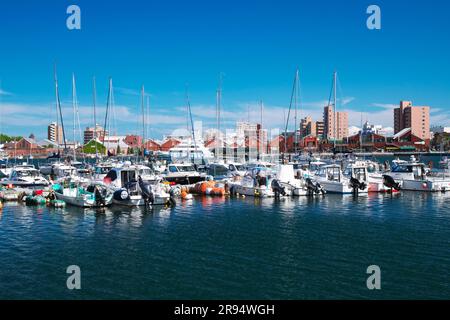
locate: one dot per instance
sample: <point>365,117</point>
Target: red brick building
<point>169,143</point>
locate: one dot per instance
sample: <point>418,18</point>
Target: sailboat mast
<point>106,113</point>
<point>94,97</point>
<point>74,113</point>
<point>289,113</point>
<point>295,113</point>
<point>188,105</point>
<point>58,108</point>
<point>143,120</point>
<point>334,107</point>
<point>219,98</point>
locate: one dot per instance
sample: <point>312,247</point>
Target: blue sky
<point>257,45</point>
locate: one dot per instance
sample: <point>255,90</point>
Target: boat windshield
<point>27,173</point>
<point>145,172</point>
<point>237,167</point>
<point>186,168</point>
<point>402,168</point>
<point>102,170</point>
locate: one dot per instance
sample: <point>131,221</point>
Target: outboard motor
<point>173,194</point>
<point>389,182</point>
<point>356,185</point>
<point>313,187</point>
<point>147,192</point>
<point>99,194</point>
<point>277,188</point>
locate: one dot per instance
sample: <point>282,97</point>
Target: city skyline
<point>377,69</point>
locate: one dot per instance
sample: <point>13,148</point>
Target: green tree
<point>90,147</point>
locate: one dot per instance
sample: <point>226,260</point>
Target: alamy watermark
<point>73,22</point>
<point>74,280</point>
<point>374,280</point>
<point>374,20</point>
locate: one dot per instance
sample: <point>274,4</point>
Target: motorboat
<point>363,173</point>
<point>66,173</point>
<point>136,185</point>
<point>218,171</point>
<point>257,182</point>
<point>332,179</point>
<point>296,185</point>
<point>25,176</point>
<point>416,176</point>
<point>94,195</point>
<point>183,173</point>
<point>236,169</point>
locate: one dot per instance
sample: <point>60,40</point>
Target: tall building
<point>415,117</point>
<point>342,125</point>
<point>242,128</point>
<point>307,127</point>
<point>94,133</point>
<point>54,133</point>
<point>332,126</point>
<point>320,127</point>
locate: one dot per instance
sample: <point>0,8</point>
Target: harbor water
<point>232,248</point>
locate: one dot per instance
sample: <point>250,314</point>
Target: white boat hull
<point>82,201</point>
<point>254,191</point>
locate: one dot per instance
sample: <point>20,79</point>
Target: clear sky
<point>257,45</point>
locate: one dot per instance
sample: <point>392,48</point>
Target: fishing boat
<point>25,176</point>
<point>296,185</point>
<point>136,185</point>
<point>415,176</point>
<point>364,172</point>
<point>332,179</point>
<point>94,195</point>
<point>257,182</point>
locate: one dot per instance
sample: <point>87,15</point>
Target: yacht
<point>25,176</point>
<point>188,150</point>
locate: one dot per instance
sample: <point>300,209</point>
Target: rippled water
<point>215,248</point>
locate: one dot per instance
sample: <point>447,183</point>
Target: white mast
<point>334,108</point>
<point>94,97</point>
<point>74,113</point>
<point>143,120</point>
